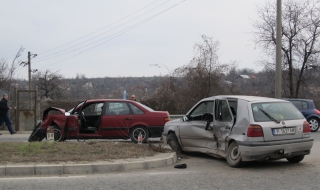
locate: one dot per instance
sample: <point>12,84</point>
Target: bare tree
<point>188,84</point>
<point>300,40</point>
<point>49,84</point>
<point>7,71</point>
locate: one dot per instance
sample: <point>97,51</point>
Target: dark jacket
<point>4,107</point>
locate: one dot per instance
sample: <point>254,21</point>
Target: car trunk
<point>282,131</point>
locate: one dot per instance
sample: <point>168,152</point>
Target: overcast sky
<point>104,38</point>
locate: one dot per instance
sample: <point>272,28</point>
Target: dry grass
<point>80,152</point>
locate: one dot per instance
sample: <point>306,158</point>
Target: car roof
<point>297,99</point>
<point>108,100</point>
<point>246,98</point>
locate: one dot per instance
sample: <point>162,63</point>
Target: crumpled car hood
<point>46,112</point>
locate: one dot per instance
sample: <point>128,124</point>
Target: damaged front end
<point>39,132</point>
<point>52,109</point>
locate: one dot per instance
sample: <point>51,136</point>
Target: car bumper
<point>155,131</point>
<point>37,134</point>
<point>255,151</point>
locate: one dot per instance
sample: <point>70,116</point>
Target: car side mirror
<point>67,114</point>
<point>185,118</point>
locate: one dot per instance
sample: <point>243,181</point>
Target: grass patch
<point>87,151</point>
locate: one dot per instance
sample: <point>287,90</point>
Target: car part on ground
<point>181,166</point>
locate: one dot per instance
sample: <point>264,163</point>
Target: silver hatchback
<point>241,129</point>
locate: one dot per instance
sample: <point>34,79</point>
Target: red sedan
<point>102,119</point>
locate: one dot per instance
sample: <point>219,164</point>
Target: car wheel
<point>234,155</point>
<point>173,143</point>
<point>134,133</point>
<point>314,124</point>
<point>57,133</point>
<point>296,159</point>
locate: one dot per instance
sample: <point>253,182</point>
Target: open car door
<point>224,119</point>
<point>73,123</point>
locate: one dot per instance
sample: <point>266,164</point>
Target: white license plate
<point>284,131</point>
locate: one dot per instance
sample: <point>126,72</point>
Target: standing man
<point>133,98</point>
<point>4,113</point>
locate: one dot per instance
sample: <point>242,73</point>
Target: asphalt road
<point>202,172</point>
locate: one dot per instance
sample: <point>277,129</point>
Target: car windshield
<point>71,111</point>
<point>275,111</point>
<point>146,107</point>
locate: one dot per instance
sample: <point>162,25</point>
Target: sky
<point>124,38</point>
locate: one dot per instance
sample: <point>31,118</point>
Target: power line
<point>98,29</point>
<point>123,31</point>
<point>56,54</point>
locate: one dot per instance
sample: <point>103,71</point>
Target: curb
<point>18,132</point>
<point>93,168</point>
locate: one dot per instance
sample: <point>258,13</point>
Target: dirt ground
<point>79,152</point>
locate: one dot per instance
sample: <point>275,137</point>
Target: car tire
<point>57,133</point>
<point>296,159</point>
<point>172,141</point>
<point>314,124</point>
<point>234,158</point>
<point>134,133</point>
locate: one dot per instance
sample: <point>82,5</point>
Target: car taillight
<point>166,119</point>
<point>306,127</point>
<point>255,131</point>
<point>317,112</point>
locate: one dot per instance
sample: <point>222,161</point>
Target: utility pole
<point>278,81</point>
<point>29,69</point>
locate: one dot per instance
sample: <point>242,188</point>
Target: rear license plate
<point>284,131</point>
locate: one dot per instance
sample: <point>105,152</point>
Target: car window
<point>301,105</point>
<point>233,107</point>
<point>297,104</point>
<point>146,107</point>
<point>278,110</point>
<point>201,109</point>
<point>304,105</point>
<point>117,108</point>
<point>93,109</point>
<point>222,112</point>
<point>135,109</point>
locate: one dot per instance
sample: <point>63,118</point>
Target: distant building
<point>87,85</point>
